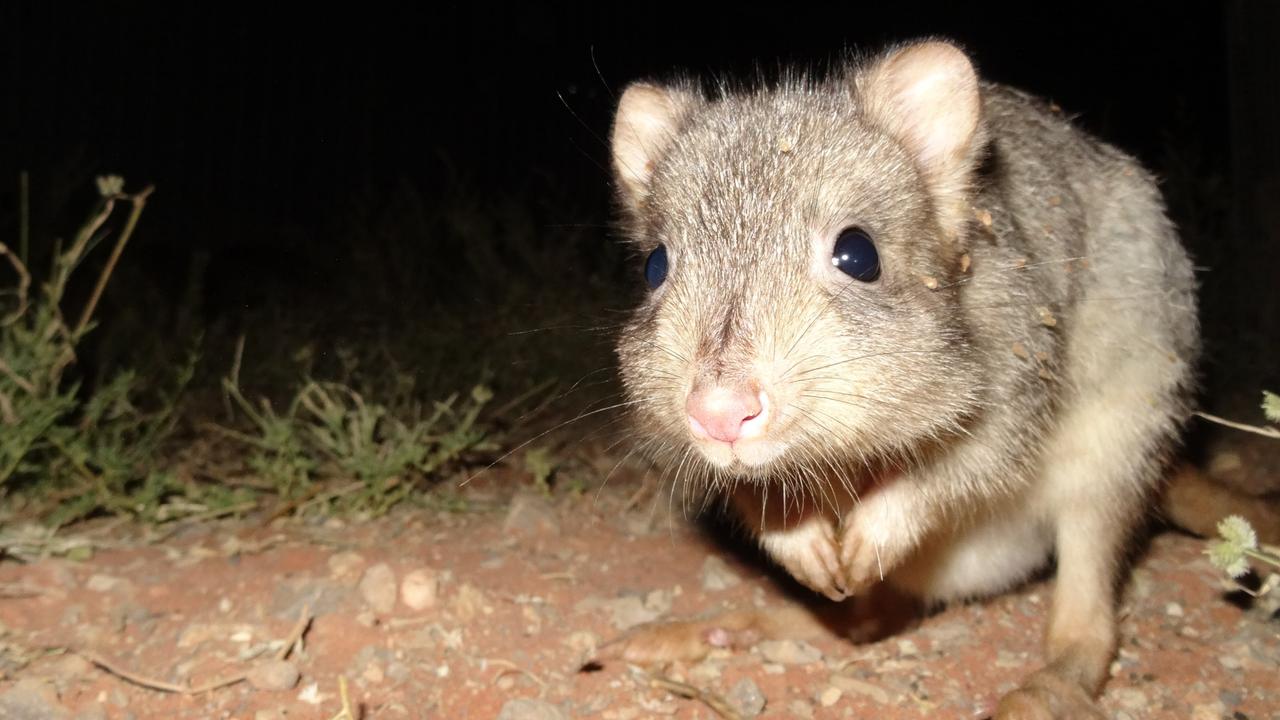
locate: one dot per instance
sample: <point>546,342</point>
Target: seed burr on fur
<point>914,327</point>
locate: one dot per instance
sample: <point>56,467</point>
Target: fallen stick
<point>717,704</point>
<point>294,636</point>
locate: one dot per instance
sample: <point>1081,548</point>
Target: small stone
<point>420,589</point>
<point>861,687</point>
<point>104,583</point>
<point>789,652</point>
<point>830,696</point>
<point>746,697</point>
<point>1020,350</point>
<point>530,709</point>
<point>311,694</point>
<point>1224,462</point>
<point>1009,659</point>
<point>273,675</point>
<point>70,668</point>
<point>531,517</point>
<point>31,699</point>
<point>378,588</point>
<point>469,602</point>
<point>984,217</point>
<point>373,673</point>
<point>717,575</point>
<point>272,714</point>
<point>583,643</point>
<point>800,709</point>
<point>1130,698</point>
<point>630,611</point>
<point>1173,609</point>
<point>345,565</point>
<point>1214,711</point>
<point>965,262</point>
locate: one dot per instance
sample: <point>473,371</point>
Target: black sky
<point>249,116</point>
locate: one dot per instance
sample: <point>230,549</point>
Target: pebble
<point>830,696</point>
<point>717,575</point>
<point>746,697</point>
<point>469,602</point>
<point>420,589</point>
<point>630,611</point>
<point>70,668</point>
<point>860,687</point>
<point>1173,609</point>
<point>789,652</point>
<point>273,675</point>
<point>529,709</point>
<point>31,699</point>
<point>378,588</point>
<point>1214,711</point>
<point>800,709</point>
<point>345,565</point>
<point>104,583</point>
<point>1130,698</point>
<point>531,517</point>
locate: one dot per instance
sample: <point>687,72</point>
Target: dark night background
<point>288,146</point>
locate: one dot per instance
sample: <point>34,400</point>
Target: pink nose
<point>723,413</point>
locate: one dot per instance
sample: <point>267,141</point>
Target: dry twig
<point>718,704</point>
<point>295,635</point>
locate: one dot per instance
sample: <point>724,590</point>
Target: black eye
<point>855,255</point>
<point>655,268</point>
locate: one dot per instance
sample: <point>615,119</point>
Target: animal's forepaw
<point>809,553</point>
<point>1045,696</point>
<point>863,562</point>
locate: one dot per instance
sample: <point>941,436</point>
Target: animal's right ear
<point>649,117</point>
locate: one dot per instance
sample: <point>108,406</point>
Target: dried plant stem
<point>295,635</point>
<point>346,713</point>
<point>139,201</point>
<point>717,704</point>
<point>24,284</point>
<point>1255,429</point>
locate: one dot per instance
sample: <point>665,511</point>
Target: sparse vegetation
<point>83,449</point>
<point>1237,548</point>
<point>358,434</point>
<point>329,431</point>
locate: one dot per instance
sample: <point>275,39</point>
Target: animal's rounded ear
<point>649,117</point>
<point>927,96</point>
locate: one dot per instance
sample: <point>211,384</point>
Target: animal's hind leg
<point>1099,471</point>
<point>1081,635</point>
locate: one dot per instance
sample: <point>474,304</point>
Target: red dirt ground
<point>515,594</point>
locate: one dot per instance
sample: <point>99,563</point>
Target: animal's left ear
<point>648,119</point>
<point>926,95</point>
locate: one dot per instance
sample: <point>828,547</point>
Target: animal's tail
<point>1195,502</point>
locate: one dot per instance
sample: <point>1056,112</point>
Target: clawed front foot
<point>863,561</point>
<point>810,554</point>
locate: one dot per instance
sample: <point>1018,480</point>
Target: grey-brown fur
<point>1014,379</point>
